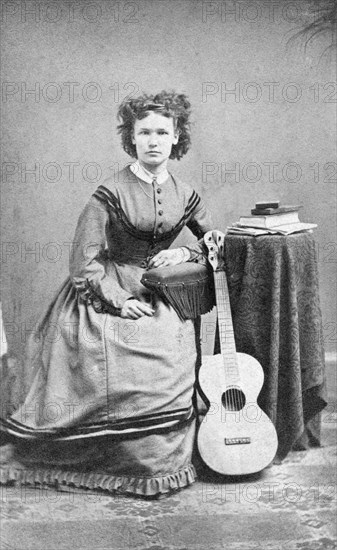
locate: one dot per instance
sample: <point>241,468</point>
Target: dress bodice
<point>124,224</point>
<point>144,219</point>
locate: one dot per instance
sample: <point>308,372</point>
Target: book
<point>268,204</point>
<point>286,229</point>
<point>279,210</point>
<point>269,221</point>
<point>252,231</point>
<point>290,228</point>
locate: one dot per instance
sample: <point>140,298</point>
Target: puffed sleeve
<point>199,223</point>
<point>89,274</point>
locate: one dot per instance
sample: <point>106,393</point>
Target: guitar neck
<point>226,331</point>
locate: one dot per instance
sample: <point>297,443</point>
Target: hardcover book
<point>286,229</point>
<point>269,221</point>
<point>271,211</point>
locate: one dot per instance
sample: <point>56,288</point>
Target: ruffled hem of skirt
<point>141,486</point>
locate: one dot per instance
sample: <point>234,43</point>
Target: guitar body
<point>236,437</point>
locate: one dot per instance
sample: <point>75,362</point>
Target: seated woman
<point>110,406</point>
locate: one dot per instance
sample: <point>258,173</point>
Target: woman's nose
<point>153,140</point>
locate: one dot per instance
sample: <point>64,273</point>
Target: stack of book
<point>271,218</point>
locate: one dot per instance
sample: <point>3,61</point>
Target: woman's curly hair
<point>168,104</point>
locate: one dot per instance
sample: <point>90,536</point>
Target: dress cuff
<point>186,254</point>
<point>197,254</point>
<point>87,294</point>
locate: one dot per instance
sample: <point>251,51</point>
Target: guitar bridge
<point>237,440</point>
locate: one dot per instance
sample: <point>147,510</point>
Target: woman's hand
<point>134,309</point>
<point>173,256</point>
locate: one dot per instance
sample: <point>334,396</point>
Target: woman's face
<point>153,137</point>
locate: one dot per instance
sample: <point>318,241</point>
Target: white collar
<point>147,176</point>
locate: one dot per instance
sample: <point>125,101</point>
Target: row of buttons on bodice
<point>153,247</point>
<point>159,201</point>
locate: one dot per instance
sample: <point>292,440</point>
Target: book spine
<point>271,211</point>
<point>269,222</point>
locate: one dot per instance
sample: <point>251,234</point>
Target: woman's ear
<point>176,137</point>
<point>133,137</point>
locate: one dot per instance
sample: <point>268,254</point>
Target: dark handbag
<point>187,287</point>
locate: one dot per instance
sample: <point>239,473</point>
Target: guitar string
<point>236,398</point>
<point>232,400</point>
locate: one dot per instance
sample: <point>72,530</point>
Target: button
<point>159,201</point>
<point>158,190</point>
<point>160,212</point>
<point>143,263</point>
<point>160,224</point>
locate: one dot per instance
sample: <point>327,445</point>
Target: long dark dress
<point>110,406</point>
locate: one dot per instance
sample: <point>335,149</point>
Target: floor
<point>287,507</point>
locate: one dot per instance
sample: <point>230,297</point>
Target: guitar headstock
<point>215,242</point>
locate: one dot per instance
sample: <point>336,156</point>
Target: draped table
<point>274,297</point>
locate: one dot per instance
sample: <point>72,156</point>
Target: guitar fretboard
<point>226,331</point>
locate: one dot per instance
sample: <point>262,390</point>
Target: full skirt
<point>110,406</point>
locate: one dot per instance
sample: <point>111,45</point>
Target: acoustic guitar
<point>235,437</point>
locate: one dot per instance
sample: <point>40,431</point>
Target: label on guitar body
<point>237,440</point>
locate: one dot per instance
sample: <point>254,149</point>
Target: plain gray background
<point>81,58</point>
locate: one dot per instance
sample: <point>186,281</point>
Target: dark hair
<point>167,104</point>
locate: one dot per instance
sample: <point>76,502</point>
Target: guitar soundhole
<point>233,399</point>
